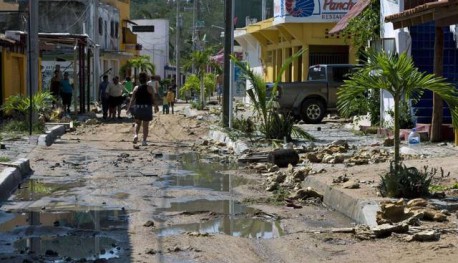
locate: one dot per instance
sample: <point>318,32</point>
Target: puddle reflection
<point>35,189</point>
<point>239,227</point>
<point>63,234</point>
<point>202,173</point>
<point>69,248</point>
<point>232,219</point>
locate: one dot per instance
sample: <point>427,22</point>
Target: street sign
<point>200,23</point>
<point>142,28</point>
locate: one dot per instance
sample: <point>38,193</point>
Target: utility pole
<point>32,53</point>
<point>263,11</point>
<point>177,48</point>
<point>228,45</point>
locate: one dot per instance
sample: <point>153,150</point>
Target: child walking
<point>165,104</point>
<point>170,99</point>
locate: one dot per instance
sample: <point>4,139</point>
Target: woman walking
<point>142,106</point>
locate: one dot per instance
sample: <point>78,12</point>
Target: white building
<point>154,44</point>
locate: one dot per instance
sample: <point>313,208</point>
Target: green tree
<point>141,63</point>
<point>200,61</point>
<point>273,124</point>
<point>365,26</point>
<point>397,75</point>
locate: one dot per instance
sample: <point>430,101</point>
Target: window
<point>100,26</point>
<point>112,28</point>
<point>117,29</point>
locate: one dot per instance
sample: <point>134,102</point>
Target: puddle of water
<point>83,220</point>
<point>70,234</point>
<point>69,248</point>
<point>201,173</point>
<point>233,219</point>
<point>221,207</point>
<point>239,227</point>
<point>215,181</point>
<point>34,189</point>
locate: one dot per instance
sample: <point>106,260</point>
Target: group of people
<point>61,87</point>
<point>141,101</point>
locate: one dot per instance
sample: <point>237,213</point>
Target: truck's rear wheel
<point>312,111</point>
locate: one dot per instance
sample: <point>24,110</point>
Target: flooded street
<point>102,201</point>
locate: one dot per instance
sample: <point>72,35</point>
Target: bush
<point>244,125</point>
<point>279,126</point>
<point>408,182</point>
<point>21,126</point>
<point>18,106</point>
<point>406,119</point>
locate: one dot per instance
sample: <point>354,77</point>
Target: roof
<point>4,41</point>
<point>444,12</point>
<point>354,12</point>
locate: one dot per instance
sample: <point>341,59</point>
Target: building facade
<point>296,25</point>
<point>153,35</point>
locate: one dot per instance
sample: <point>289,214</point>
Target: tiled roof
<point>354,12</point>
<point>419,9</point>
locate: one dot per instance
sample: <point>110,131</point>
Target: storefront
<point>296,25</point>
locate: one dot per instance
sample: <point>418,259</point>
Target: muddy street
<point>95,197</point>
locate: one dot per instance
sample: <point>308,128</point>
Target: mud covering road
<point>94,197</point>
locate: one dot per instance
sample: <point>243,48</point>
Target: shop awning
<point>354,12</point>
<point>444,13</point>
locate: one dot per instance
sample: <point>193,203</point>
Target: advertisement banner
<point>315,11</point>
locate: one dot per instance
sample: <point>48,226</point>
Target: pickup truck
<point>312,99</point>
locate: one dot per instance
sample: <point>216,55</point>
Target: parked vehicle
<point>312,99</point>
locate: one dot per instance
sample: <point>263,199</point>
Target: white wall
<point>155,44</point>
<point>251,54</point>
<point>403,44</point>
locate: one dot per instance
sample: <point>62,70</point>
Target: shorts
<point>66,98</point>
<point>115,101</point>
<point>143,112</point>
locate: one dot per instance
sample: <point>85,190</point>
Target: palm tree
<point>200,61</point>
<point>397,75</point>
<point>141,63</point>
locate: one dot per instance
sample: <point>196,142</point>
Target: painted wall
<point>14,74</point>
<point>155,44</point>
<point>278,43</point>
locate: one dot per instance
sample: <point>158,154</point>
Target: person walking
<point>103,96</point>
<point>66,90</point>
<point>115,98</point>
<point>127,92</point>
<point>142,105</point>
<point>54,88</point>
<point>171,99</point>
<point>165,104</point>
<point>154,84</point>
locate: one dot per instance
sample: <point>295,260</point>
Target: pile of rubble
<point>404,220</point>
<point>340,152</point>
<point>290,180</point>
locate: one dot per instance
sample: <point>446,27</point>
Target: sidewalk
<point>16,166</point>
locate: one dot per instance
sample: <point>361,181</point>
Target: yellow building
<point>128,42</point>
<point>13,68</point>
<point>300,24</point>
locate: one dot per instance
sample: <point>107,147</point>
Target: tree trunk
<point>397,141</point>
<point>202,92</point>
<point>436,123</point>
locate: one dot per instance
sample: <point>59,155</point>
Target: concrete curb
<point>51,135</point>
<point>12,176</point>
<point>363,211</point>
